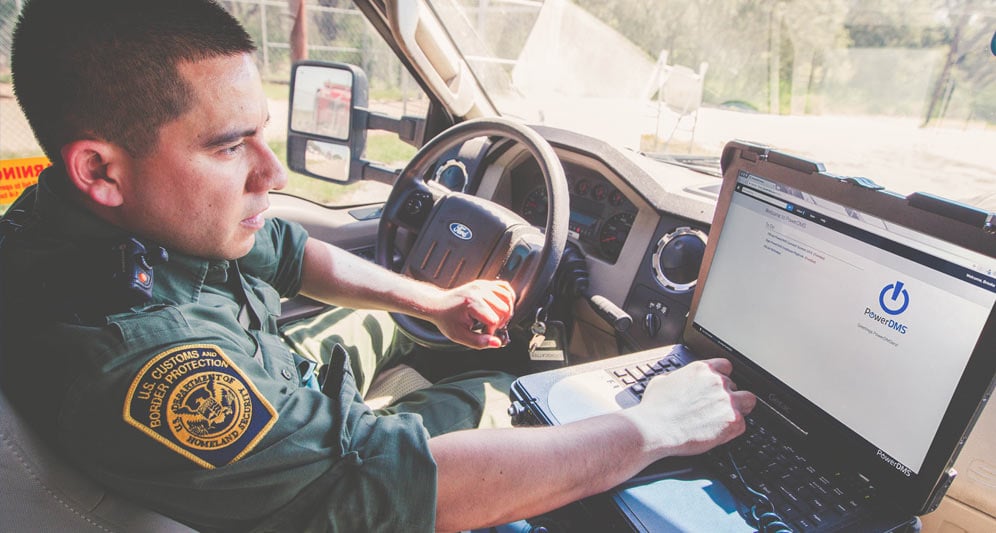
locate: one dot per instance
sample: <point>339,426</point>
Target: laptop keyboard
<point>802,495</point>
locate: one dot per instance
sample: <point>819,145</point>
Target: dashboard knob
<point>677,258</point>
<point>652,323</point>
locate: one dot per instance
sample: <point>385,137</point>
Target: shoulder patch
<point>194,400</point>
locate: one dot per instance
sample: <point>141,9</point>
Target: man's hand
<point>692,409</point>
<point>471,313</point>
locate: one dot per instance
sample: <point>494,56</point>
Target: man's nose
<point>269,173</point>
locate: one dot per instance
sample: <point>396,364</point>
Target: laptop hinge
<point>942,488</point>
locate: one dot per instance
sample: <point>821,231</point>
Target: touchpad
<point>586,395</point>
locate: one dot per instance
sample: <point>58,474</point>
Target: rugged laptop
<point>863,320</point>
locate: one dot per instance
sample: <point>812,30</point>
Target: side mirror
<point>325,134</point>
<point>329,120</point>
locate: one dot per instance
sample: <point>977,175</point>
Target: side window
<point>329,30</point>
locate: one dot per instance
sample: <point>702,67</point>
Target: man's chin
<point>240,252</point>
<point>227,252</point>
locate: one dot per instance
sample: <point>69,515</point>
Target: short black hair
<point>108,69</point>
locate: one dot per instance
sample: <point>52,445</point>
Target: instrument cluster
<point>601,215</point>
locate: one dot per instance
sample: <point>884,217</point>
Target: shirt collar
<point>56,204</point>
<point>180,279</point>
<point>183,277</point>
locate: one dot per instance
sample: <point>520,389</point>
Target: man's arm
<point>335,276</point>
<point>488,477</point>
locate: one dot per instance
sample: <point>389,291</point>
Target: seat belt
<point>8,226</point>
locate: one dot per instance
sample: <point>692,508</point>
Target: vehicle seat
<point>40,491</point>
<point>393,383</point>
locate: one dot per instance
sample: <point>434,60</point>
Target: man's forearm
<point>335,276</point>
<point>489,477</point>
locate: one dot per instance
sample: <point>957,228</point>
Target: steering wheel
<point>459,237</point>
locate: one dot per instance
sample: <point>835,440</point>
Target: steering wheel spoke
<point>521,259</point>
<point>412,207</point>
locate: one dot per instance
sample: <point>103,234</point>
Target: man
<point>188,400</point>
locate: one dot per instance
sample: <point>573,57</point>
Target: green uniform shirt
<point>191,403</point>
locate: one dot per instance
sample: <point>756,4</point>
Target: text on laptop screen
<point>872,322</point>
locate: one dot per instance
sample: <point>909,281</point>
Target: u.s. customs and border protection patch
<point>199,404</point>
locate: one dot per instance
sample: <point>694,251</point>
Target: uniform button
<point>286,374</point>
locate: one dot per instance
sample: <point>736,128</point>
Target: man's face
<point>203,188</point>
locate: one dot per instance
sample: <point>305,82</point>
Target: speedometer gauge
<point>534,207</point>
<point>613,234</point>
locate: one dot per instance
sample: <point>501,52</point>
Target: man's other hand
<point>471,313</point>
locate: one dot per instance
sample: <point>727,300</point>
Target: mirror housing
<point>328,120</point>
<point>324,138</point>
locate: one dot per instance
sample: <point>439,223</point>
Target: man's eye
<point>234,149</point>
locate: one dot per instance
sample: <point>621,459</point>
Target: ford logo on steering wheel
<point>462,232</point>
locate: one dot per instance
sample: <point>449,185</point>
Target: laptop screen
<point>872,322</point>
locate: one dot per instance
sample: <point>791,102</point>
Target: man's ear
<point>96,168</point>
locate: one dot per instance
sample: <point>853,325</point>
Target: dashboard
<point>601,215</point>
<point>641,225</point>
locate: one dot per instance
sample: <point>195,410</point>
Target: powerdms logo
<point>898,298</point>
<point>893,301</point>
<point>903,469</point>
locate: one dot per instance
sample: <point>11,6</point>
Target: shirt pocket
<point>150,323</point>
<point>149,328</point>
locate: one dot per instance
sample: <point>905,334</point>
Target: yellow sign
<point>17,175</point>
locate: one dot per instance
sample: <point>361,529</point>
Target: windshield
<point>901,92</point>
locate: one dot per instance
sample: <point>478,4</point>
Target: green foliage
<point>304,186</point>
<point>388,149</point>
<point>384,148</point>
<point>833,56</point>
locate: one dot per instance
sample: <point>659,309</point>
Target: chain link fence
<point>336,31</point>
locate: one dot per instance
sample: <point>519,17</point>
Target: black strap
<point>9,224</point>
